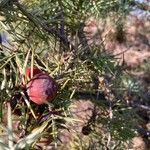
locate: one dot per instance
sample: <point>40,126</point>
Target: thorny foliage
<point>49,35</point>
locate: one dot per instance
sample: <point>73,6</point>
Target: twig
<point>62,21</point>
<point>100,97</point>
<point>147,108</point>
<point>9,120</point>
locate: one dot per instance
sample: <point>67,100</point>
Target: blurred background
<point>98,53</point>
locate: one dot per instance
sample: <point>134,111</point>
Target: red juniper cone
<point>42,88</point>
<point>35,71</point>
